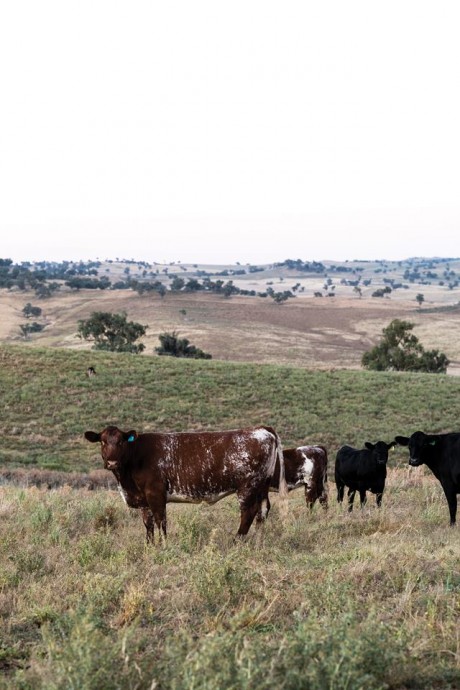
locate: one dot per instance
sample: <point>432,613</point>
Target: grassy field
<point>322,601</point>
<point>48,402</point>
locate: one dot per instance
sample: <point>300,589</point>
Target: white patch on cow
<point>262,434</point>
<point>177,497</point>
<point>306,470</point>
<point>123,493</point>
<point>264,509</point>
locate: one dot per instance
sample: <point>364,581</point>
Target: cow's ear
<point>369,446</point>
<point>391,445</point>
<point>402,440</point>
<point>130,436</point>
<point>92,437</point>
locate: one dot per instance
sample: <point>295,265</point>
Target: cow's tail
<point>323,499</point>
<point>282,485</point>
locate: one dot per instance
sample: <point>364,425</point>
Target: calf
<point>153,469</point>
<point>305,466</point>
<point>441,453</point>
<point>362,470</point>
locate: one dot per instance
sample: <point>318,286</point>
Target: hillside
<point>331,331</point>
<point>48,402</point>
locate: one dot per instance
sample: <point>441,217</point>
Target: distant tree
<point>381,292</point>
<point>400,350</point>
<point>28,328</point>
<point>112,332</point>
<point>173,346</point>
<point>177,284</point>
<point>358,291</point>
<point>420,299</point>
<point>29,311</point>
<point>43,290</point>
<point>279,297</point>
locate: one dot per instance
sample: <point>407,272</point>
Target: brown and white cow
<point>305,466</point>
<point>153,469</point>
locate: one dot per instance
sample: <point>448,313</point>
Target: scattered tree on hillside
<point>400,350</point>
<point>279,297</point>
<point>28,328</point>
<point>173,346</point>
<point>420,299</point>
<point>29,311</point>
<point>381,292</point>
<point>112,332</point>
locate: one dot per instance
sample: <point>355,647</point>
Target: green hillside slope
<point>48,402</point>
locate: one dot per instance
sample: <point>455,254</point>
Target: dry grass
<point>82,598</point>
<point>307,332</point>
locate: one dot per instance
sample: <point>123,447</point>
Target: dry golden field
<point>305,331</point>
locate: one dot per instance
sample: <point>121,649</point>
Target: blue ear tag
<point>131,438</point>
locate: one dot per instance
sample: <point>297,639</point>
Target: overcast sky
<point>216,132</point>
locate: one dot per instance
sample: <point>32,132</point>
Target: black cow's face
<point>380,451</point>
<point>114,444</point>
<point>420,446</point>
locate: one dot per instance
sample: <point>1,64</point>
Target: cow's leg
<point>157,507</point>
<point>451,495</point>
<point>362,498</point>
<point>263,510</point>
<point>147,517</point>
<point>323,499</point>
<point>250,505</point>
<point>311,494</point>
<point>351,498</point>
<point>340,491</point>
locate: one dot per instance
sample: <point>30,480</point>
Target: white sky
<point>250,130</point>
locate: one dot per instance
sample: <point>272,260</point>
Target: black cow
<point>441,453</point>
<point>362,470</point>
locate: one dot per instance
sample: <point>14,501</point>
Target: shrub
<point>112,332</point>
<point>173,346</point>
<point>400,350</point>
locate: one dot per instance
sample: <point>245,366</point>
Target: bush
<point>400,350</point>
<point>173,346</point>
<point>112,332</point>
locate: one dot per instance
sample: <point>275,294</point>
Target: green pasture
<point>48,402</point>
<point>313,601</point>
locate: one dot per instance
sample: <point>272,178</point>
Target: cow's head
<point>420,446</point>
<point>114,445</point>
<point>380,451</point>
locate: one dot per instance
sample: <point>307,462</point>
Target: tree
<point>28,328</point>
<point>400,350</point>
<point>420,298</point>
<point>29,311</point>
<point>173,346</point>
<point>112,332</point>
